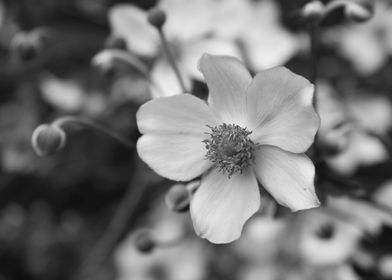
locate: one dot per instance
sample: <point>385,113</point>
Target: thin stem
<point>62,121</point>
<point>117,226</point>
<point>171,60</point>
<point>134,61</point>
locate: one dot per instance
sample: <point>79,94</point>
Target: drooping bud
<point>178,198</point>
<point>312,10</point>
<point>144,241</point>
<point>48,139</point>
<point>104,61</point>
<point>156,17</point>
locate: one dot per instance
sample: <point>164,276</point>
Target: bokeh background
<point>79,214</point>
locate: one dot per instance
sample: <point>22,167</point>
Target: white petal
<point>280,111</point>
<point>287,177</point>
<point>227,80</point>
<point>182,114</point>
<point>166,82</point>
<point>179,157</point>
<point>195,50</point>
<point>267,44</point>
<point>182,24</point>
<point>221,205</point>
<point>175,128</point>
<point>130,22</point>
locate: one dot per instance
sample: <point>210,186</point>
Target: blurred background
<point>92,210</point>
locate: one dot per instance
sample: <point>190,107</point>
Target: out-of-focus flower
<point>69,96</point>
<point>188,36</point>
<point>260,240</point>
<point>367,217</point>
<point>217,29</point>
<point>383,195</point>
<point>333,135</point>
<point>26,45</point>
<point>265,41</point>
<point>326,239</point>
<point>252,128</point>
<point>367,46</point>
<point>364,114</point>
<point>183,259</point>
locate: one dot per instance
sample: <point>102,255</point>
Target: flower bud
<point>105,62</point>
<point>359,13</point>
<point>47,139</point>
<point>144,241</point>
<point>178,198</point>
<point>313,10</point>
<point>156,17</point>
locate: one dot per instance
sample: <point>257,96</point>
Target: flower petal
<point>221,206</point>
<point>166,82</point>
<point>268,43</point>
<point>130,22</point>
<point>287,177</point>
<point>227,80</point>
<point>193,51</point>
<point>280,111</point>
<point>177,157</point>
<point>181,22</point>
<point>182,114</point>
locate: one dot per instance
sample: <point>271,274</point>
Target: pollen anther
<point>229,148</point>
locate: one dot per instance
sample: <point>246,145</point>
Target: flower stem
<point>62,121</point>
<point>122,218</point>
<point>135,62</point>
<point>314,48</point>
<point>171,59</point>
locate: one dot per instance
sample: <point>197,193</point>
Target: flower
<point>351,127</point>
<point>188,36</point>
<point>367,46</point>
<point>217,29</point>
<point>251,130</point>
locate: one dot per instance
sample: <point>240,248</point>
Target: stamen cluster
<point>230,148</point>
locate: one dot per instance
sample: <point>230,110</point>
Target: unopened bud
<point>47,139</point>
<point>144,241</point>
<point>156,17</point>
<point>115,42</point>
<point>105,62</point>
<point>313,10</point>
<point>359,13</point>
<point>178,198</point>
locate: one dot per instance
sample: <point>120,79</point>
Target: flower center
<point>230,148</point>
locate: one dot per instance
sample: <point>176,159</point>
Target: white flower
<point>253,129</point>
